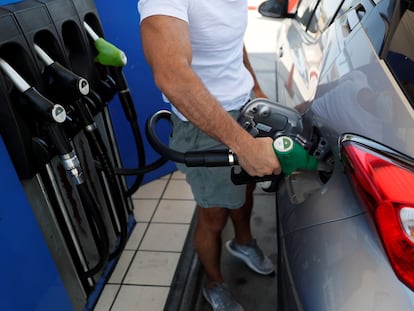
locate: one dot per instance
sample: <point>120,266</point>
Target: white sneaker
<point>252,256</point>
<point>221,299</point>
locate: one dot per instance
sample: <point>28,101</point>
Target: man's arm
<point>257,90</point>
<point>167,48</point>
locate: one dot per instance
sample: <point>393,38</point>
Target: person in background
<point>278,8</point>
<point>199,62</point>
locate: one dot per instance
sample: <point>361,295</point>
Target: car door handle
<point>281,51</point>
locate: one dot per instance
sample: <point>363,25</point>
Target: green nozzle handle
<point>292,156</point>
<point>108,54</point>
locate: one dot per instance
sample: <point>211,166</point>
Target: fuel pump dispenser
<point>51,117</point>
<point>57,77</point>
<point>74,90</point>
<point>58,132</point>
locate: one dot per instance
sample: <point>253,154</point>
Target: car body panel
<point>390,121</point>
<point>330,255</point>
<point>299,69</point>
<point>340,266</point>
<point>322,206</point>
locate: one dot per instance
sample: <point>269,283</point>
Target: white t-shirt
<point>217,30</point>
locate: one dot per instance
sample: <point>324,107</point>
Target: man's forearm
<point>199,106</point>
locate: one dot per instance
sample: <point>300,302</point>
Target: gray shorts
<point>211,186</point>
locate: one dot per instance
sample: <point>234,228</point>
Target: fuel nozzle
<point>40,105</point>
<point>52,115</point>
<point>108,54</point>
<point>292,156</point>
<point>66,81</point>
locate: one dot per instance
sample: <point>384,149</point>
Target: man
<point>196,52</point>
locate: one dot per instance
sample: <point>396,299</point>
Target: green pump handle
<point>292,156</point>
<point>108,54</point>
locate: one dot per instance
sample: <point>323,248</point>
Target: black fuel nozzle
<point>52,116</point>
<point>65,81</point>
<point>40,105</point>
<point>72,88</point>
<point>44,108</point>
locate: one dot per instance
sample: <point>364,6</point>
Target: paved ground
<point>253,291</point>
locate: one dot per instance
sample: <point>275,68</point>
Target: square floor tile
<point>178,175</point>
<point>178,189</point>
<point>144,209</point>
<point>141,298</point>
<point>107,298</point>
<point>165,237</point>
<point>136,236</point>
<point>121,267</point>
<point>168,176</point>
<point>152,268</point>
<point>175,211</point>
<point>151,190</point>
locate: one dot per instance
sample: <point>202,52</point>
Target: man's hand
<point>259,158</point>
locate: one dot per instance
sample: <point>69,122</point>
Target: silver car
<point>346,237</point>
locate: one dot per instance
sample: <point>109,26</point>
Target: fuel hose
<point>291,155</point>
<point>73,168</point>
<point>115,59</point>
<point>207,158</point>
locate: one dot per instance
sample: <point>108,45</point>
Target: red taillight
<point>387,187</point>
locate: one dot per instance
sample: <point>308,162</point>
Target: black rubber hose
<point>99,150</point>
<point>131,115</point>
<point>141,158</point>
<point>157,144</point>
<point>204,158</point>
<point>97,227</point>
<point>118,200</point>
<point>140,170</point>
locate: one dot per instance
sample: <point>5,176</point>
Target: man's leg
<point>207,240</point>
<point>244,246</point>
<point>241,218</point>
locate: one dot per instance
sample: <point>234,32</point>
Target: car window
<point>323,15</point>
<point>400,55</point>
<point>377,24</point>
